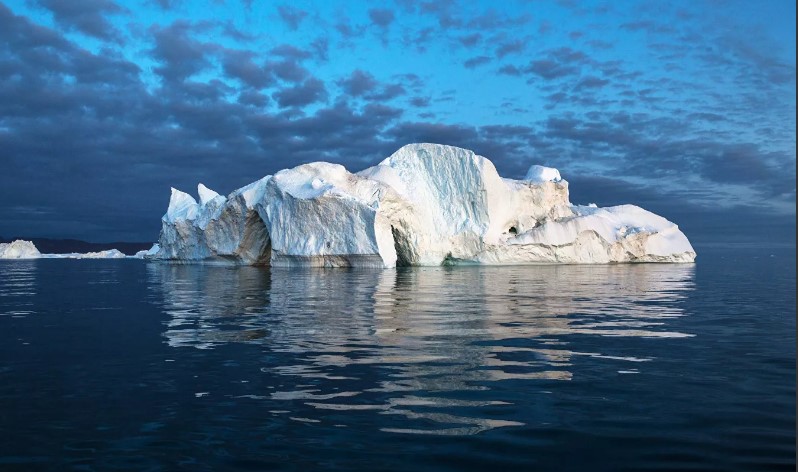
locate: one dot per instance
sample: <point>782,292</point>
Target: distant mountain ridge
<point>64,246</point>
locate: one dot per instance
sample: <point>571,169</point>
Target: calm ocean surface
<point>127,365</point>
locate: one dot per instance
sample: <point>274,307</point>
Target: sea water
<point>126,364</point>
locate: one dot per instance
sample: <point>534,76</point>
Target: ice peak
<point>181,206</point>
<point>205,194</point>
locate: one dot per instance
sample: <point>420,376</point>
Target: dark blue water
<point>126,365</point>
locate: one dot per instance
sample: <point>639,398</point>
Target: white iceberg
<point>427,204</point>
<point>19,249</point>
<point>109,254</point>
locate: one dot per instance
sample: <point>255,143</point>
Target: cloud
<point>420,102</point>
<point>510,47</point>
<point>493,20</point>
<point>551,69</point>
<point>232,32</point>
<point>240,65</point>
<point>289,51</point>
<point>381,17</point>
<point>288,70</point>
<point>446,12</point>
<point>86,16</point>
<point>470,40</point>
<point>592,82</point>
<point>475,62</point>
<point>178,53</point>
<point>291,16</point>
<point>167,4</point>
<point>387,92</point>
<point>321,48</point>
<point>358,83</point>
<point>178,107</point>
<point>253,98</point>
<point>554,64</point>
<point>347,30</point>
<point>310,91</point>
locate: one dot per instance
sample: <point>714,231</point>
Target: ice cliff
<point>427,204</point>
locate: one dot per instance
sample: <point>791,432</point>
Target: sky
<point>685,108</point>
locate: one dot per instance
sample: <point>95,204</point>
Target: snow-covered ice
<point>19,249</point>
<point>426,204</point>
<point>538,173</point>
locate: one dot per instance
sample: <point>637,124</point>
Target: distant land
<point>64,246</point>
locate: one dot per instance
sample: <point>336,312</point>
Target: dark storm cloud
<point>706,117</point>
<point>599,44</point>
<point>347,30</point>
<point>647,26</point>
<point>420,102</point>
<point>419,39</point>
<point>289,70</point>
<point>475,62</point>
<point>241,65</point>
<point>359,83</point>
<point>641,145</point>
<point>510,69</point>
<point>446,12</point>
<point>111,142</point>
<point>470,40</point>
<point>753,64</point>
<point>288,51</point>
<point>292,16</point>
<point>167,4</point>
<point>310,91</point>
<point>552,64</point>
<point>510,47</point>
<point>493,20</point>
<point>86,16</point>
<point>232,32</point>
<point>320,48</point>
<point>592,82</point>
<point>252,98</point>
<point>179,54</point>
<point>387,92</point>
<point>551,69</point>
<point>381,17</point>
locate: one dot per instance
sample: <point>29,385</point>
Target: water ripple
<point>420,343</point>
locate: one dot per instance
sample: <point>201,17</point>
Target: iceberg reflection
<point>18,287</point>
<point>414,342</point>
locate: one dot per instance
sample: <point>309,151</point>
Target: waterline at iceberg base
<point>427,204</point>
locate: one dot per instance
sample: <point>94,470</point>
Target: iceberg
<point>109,254</point>
<point>426,204</point>
<point>19,249</point>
